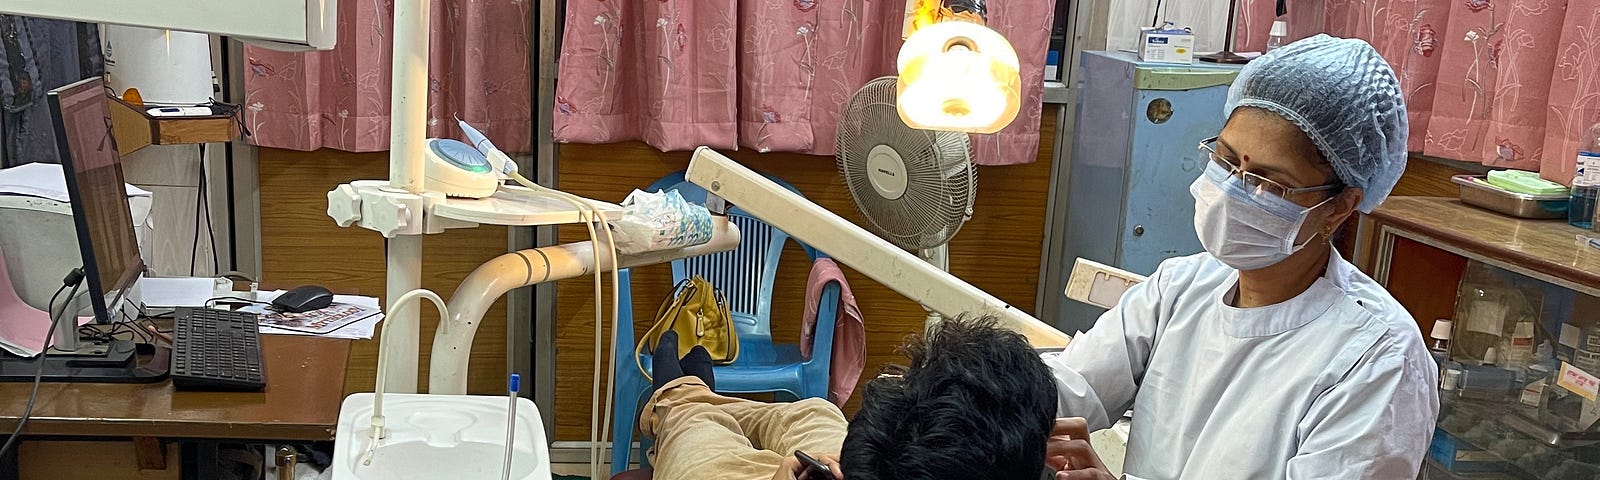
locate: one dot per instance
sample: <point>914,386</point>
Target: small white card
<point>1578,381</point>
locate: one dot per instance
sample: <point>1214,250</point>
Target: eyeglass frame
<point>1238,171</point>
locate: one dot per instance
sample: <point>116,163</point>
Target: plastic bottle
<point>1585,188</point>
<point>1276,38</point>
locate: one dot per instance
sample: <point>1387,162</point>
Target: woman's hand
<point>792,469</point>
<point>1070,455</point>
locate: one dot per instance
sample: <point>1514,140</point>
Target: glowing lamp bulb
<point>958,76</point>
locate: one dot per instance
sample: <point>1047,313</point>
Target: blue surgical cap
<point>1345,97</point>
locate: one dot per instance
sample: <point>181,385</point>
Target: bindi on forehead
<point>1269,145</point>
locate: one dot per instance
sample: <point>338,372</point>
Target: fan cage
<point>941,180</point>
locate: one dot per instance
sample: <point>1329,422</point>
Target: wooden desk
<point>305,385</point>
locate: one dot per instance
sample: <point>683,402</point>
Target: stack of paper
<point>44,180</point>
<point>351,316</point>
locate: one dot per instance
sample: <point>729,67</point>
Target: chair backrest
<point>745,274</point>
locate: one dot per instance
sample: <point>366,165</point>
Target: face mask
<point>1245,231</point>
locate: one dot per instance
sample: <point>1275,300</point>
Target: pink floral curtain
<point>1507,83</point>
<point>770,75</point>
<point>479,71</point>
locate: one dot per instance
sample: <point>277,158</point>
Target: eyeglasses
<point>1256,183</point>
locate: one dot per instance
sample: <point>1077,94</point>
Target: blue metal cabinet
<point>1133,158</point>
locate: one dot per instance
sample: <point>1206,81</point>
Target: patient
<point>976,403</point>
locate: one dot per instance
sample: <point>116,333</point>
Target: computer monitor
<point>93,168</point>
<point>106,242</point>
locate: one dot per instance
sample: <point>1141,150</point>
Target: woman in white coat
<point>1267,356</point>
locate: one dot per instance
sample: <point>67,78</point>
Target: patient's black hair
<point>976,403</point>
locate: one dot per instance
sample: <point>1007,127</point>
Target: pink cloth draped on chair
<point>770,75</point>
<point>479,70</point>
<point>1506,83</point>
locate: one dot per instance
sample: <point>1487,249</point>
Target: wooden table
<point>305,384</point>
<point>1543,249</point>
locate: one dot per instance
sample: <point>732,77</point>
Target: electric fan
<point>915,187</point>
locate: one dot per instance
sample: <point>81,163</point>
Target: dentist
<point>1267,356</point>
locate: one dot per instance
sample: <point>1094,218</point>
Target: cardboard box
<point>1459,457</point>
<point>1166,44</point>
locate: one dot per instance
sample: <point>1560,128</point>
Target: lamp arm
<point>851,245</point>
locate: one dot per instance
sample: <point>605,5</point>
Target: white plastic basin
<point>456,437</point>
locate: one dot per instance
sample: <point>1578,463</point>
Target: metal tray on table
<point>1510,203</point>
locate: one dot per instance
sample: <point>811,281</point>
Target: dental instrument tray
<point>1476,191</point>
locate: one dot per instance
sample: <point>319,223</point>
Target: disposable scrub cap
<point>1345,97</point>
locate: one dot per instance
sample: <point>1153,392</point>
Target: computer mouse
<point>304,299</point>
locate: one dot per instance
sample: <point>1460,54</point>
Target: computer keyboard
<point>216,350</point>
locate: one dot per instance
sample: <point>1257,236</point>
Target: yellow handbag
<point>699,314</point>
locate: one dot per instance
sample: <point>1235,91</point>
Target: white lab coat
<point>1334,383</point>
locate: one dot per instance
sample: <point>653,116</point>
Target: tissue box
<point>1166,45</point>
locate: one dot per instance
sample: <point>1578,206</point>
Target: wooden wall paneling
<point>301,245</point>
<point>1427,178</point>
<point>998,250</point>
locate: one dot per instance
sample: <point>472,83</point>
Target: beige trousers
<point>702,435</point>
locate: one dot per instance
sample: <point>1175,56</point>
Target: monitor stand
<point>92,362</point>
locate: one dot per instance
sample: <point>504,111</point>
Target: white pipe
<point>401,327</point>
<point>407,130</point>
<point>408,108</point>
<point>452,345</point>
<point>377,422</point>
<point>851,245</point>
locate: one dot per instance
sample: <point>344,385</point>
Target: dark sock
<point>665,367</point>
<point>698,363</point>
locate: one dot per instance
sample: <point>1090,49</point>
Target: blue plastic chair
<point>745,275</point>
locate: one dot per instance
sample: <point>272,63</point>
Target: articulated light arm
<point>851,245</point>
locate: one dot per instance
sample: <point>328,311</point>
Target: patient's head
<point>976,403</point>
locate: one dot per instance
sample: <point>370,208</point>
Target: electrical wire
<point>237,275</point>
<point>215,300</point>
<point>194,247</point>
<point>590,216</point>
<point>205,201</point>
<point>38,374</point>
<point>202,209</point>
